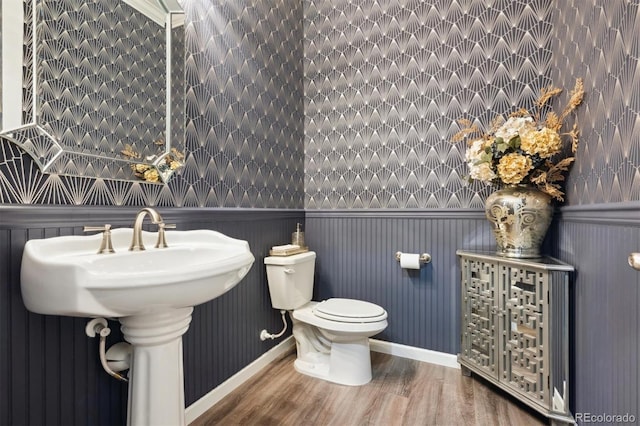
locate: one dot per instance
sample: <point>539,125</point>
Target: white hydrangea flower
<point>513,127</point>
<point>474,151</point>
<point>481,172</point>
<point>478,169</point>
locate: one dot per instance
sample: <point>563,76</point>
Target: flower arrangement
<point>523,149</point>
<point>153,173</point>
<point>150,173</point>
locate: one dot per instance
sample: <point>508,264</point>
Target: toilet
<point>332,336</point>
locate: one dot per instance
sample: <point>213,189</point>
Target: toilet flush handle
<point>289,271</point>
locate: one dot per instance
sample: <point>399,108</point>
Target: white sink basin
<point>151,292</point>
<point>65,276</point>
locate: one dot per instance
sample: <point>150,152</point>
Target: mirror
<point>95,88</point>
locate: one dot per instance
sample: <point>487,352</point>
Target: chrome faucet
<point>136,241</point>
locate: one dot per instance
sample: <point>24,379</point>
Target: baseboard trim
<point>411,352</point>
<point>199,407</point>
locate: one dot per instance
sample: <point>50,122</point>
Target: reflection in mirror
<point>95,88</point>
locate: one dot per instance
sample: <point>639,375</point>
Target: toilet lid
<point>349,310</point>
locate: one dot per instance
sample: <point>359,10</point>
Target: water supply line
<point>99,326</point>
<point>264,334</point>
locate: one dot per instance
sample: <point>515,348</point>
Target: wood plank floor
<point>402,392</point>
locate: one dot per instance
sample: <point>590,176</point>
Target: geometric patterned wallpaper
<point>244,124</point>
<point>385,82</point>
<point>374,103</point>
<point>600,41</point>
<point>245,112</point>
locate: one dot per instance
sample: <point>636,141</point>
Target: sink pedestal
<point>156,379</point>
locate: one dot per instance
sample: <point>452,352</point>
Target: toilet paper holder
<point>424,257</point>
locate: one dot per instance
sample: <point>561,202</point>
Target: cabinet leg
<point>465,371</point>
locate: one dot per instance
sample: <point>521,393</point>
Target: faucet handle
<point>162,241</point>
<point>105,244</point>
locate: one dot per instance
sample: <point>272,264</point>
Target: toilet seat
<point>349,311</point>
<point>370,327</point>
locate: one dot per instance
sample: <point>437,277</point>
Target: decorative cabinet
<point>514,328</point>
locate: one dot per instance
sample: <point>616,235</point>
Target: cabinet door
<point>523,299</point>
<point>478,346</point>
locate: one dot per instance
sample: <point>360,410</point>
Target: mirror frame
<point>53,158</point>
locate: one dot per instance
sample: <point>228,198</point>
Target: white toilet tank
<point>290,279</point>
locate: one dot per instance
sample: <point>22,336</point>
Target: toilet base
<point>347,363</point>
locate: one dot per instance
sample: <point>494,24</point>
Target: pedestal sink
<point>151,292</point>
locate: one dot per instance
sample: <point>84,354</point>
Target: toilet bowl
<point>346,358</point>
<point>332,336</point>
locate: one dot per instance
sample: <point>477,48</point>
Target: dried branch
<point>553,121</point>
<point>554,174</point>
<point>468,129</point>
<point>129,152</point>
<point>554,190</point>
<point>546,94</point>
<point>177,154</point>
<point>496,123</point>
<point>575,99</point>
<point>574,136</point>
<point>522,112</point>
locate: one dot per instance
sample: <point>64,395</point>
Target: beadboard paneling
<point>604,317</point>
<point>49,369</point>
<point>355,259</point>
